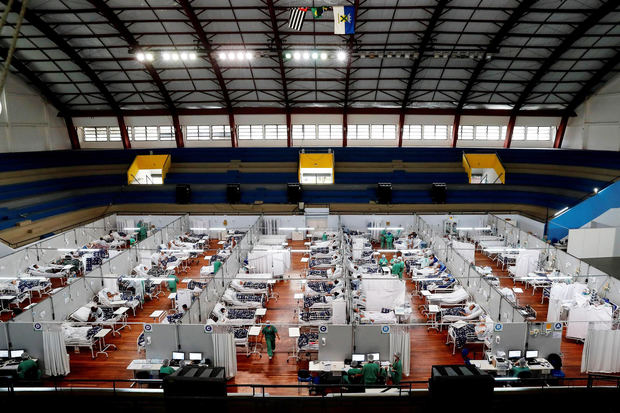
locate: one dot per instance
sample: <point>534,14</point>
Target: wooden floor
<point>427,347</point>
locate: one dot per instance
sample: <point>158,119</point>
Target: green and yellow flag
<point>317,12</point>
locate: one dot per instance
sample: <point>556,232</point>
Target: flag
<point>317,12</point>
<point>296,20</point>
<point>344,19</point>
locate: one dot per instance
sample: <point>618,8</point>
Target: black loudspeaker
<point>439,192</point>
<point>196,380</point>
<point>184,194</point>
<point>294,193</point>
<point>233,193</point>
<point>450,383</point>
<point>384,193</point>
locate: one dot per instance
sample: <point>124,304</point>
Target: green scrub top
<point>270,332</point>
<point>216,266</point>
<point>172,284</point>
<point>324,237</point>
<point>166,370</point>
<point>25,366</point>
<point>397,372</point>
<point>370,372</point>
<point>383,262</point>
<point>517,370</point>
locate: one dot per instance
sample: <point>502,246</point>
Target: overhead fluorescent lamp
<point>306,229</point>
<point>375,228</point>
<point>217,229</point>
<point>473,228</point>
<point>199,229</point>
<point>130,229</point>
<point>561,211</point>
<point>79,249</point>
<point>395,229</point>
<point>286,229</point>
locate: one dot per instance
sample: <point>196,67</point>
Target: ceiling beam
<point>278,43</point>
<point>323,111</point>
<point>347,78</point>
<point>208,48</point>
<point>566,44</point>
<point>493,47</point>
<point>589,86</point>
<point>67,49</point>
<point>424,45</point>
<point>133,43</point>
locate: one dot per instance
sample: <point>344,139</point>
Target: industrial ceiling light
<point>296,55</point>
<point>184,56</point>
<point>323,56</point>
<point>149,57</point>
<point>315,55</point>
<point>140,56</point>
<point>288,55</point>
<point>306,55</point>
<point>222,56</point>
<point>249,55</point>
<point>240,55</point>
<point>174,56</point>
<point>231,55</point>
<point>165,56</point>
<point>341,55</point>
<point>192,55</point>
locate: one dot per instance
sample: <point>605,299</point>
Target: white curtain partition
<point>225,353</point>
<point>601,352</point>
<point>400,342</point>
<point>55,352</point>
<point>387,292</point>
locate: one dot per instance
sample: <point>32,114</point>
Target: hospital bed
<point>110,319</point>
<point>461,334</point>
<point>449,315</point>
<point>234,316</point>
<point>249,300</point>
<point>377,317</point>
<point>323,263</point>
<point>253,287</point>
<point>117,300</point>
<point>457,296</point>
<point>80,336</point>
<point>315,316</point>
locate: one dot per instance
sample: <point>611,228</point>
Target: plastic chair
<point>303,376</point>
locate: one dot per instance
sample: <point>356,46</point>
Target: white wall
<point>597,125</point>
<point>594,242</point>
<point>27,122</point>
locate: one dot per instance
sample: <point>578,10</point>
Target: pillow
<point>81,314</point>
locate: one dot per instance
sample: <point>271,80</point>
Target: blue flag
<point>344,19</point>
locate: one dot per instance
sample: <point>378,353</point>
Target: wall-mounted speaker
<point>439,193</point>
<point>233,193</point>
<point>384,193</point>
<point>184,194</point>
<point>294,193</point>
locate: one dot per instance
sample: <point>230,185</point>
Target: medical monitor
<point>531,354</point>
<point>4,354</point>
<point>514,354</point>
<point>195,356</point>
<point>16,353</point>
<point>373,356</point>
<point>358,357</point>
<point>178,356</point>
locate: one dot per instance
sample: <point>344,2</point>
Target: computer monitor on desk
<point>373,356</point>
<point>195,356</point>
<point>178,356</point>
<point>514,355</point>
<point>531,355</point>
<point>358,357</point>
<point>15,354</point>
<point>4,354</point>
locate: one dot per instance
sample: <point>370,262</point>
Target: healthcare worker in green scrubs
<point>389,238</point>
<point>383,262</point>
<point>397,370</point>
<point>324,237</point>
<point>165,368</point>
<point>370,373</point>
<point>172,283</point>
<point>382,236</point>
<point>271,333</point>
<point>28,368</point>
<point>216,265</point>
